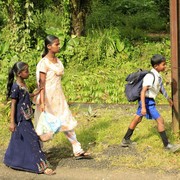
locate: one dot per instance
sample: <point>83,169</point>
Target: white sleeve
<point>148,80</point>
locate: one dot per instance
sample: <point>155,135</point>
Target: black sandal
<point>83,155</point>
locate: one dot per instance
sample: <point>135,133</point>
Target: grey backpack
<point>134,84</point>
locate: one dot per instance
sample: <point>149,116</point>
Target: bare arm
<point>143,92</point>
<point>36,92</point>
<point>12,125</point>
<point>42,93</point>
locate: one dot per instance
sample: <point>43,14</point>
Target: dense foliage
<point>134,19</point>
<point>119,37</point>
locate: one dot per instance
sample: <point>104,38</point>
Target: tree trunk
<point>78,16</point>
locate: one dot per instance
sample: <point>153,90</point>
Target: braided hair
<point>14,71</point>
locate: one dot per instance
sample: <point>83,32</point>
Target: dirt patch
<point>100,167</point>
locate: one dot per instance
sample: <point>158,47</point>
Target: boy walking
<point>152,85</point>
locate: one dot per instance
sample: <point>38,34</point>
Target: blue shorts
<point>151,111</point>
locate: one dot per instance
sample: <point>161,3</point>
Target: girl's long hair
<point>14,71</point>
<point>49,40</point>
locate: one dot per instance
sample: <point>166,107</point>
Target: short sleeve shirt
<point>43,66</point>
<point>23,107</point>
<point>153,83</point>
<point>14,91</point>
<point>49,68</point>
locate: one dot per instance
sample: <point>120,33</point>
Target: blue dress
<point>24,151</point>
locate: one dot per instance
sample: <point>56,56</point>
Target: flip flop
<point>49,172</point>
<point>83,155</point>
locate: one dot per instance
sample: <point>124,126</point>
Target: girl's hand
<point>42,107</point>
<point>37,91</point>
<point>143,111</point>
<point>12,127</point>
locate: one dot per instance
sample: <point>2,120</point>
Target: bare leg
<point>137,119</point>
<point>160,124</point>
<point>126,140</point>
<point>161,130</point>
<point>46,137</point>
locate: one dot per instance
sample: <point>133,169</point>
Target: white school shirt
<point>153,83</point>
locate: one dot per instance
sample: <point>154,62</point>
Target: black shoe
<point>172,147</point>
<point>127,143</point>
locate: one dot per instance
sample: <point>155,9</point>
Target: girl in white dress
<point>52,100</point>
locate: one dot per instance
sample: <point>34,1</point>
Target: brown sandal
<point>83,155</point>
<point>49,171</point>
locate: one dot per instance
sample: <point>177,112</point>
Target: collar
<point>155,72</point>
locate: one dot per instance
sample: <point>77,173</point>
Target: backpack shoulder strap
<point>153,76</point>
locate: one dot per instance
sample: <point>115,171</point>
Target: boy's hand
<point>170,102</point>
<point>143,111</point>
<point>143,92</point>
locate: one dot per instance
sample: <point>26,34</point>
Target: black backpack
<point>134,84</point>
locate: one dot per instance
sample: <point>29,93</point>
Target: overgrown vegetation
<point>118,40</point>
<point>134,19</point>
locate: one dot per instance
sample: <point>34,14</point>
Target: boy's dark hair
<point>157,59</point>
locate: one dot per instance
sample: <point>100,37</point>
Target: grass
<point>101,128</point>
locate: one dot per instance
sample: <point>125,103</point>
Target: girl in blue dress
<point>24,151</point>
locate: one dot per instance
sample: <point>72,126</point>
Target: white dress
<point>55,102</point>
